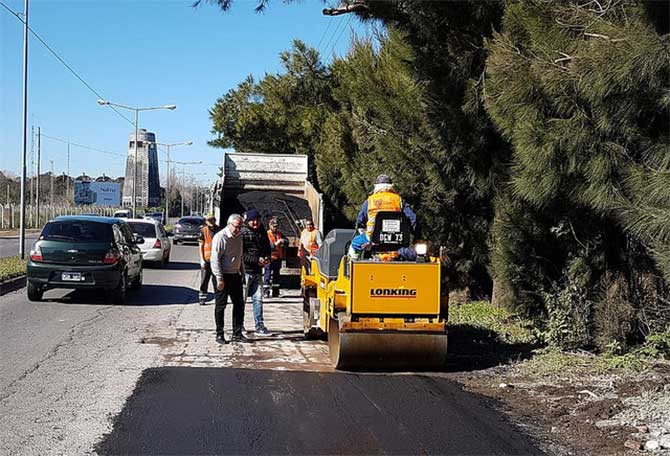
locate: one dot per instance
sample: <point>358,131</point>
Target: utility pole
<point>39,157</point>
<point>182,189</point>
<point>22,230</point>
<point>67,184</point>
<point>31,181</point>
<point>52,181</point>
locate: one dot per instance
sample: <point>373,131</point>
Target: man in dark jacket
<point>256,254</point>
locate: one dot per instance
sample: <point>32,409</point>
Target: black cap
<point>383,179</point>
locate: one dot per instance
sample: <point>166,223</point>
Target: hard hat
<point>383,179</point>
<point>273,222</point>
<point>211,216</point>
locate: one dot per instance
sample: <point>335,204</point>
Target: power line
<point>323,35</point>
<point>330,40</point>
<point>82,146</point>
<point>86,84</point>
<point>332,49</point>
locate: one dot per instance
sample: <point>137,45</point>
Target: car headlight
<point>421,248</point>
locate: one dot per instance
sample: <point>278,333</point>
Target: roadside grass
<point>11,267</point>
<point>502,324</point>
<point>482,335</point>
<point>554,363</point>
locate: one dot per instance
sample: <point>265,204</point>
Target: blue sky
<point>142,53</point>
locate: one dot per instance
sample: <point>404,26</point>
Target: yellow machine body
<point>378,315</point>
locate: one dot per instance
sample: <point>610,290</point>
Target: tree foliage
<point>532,138</point>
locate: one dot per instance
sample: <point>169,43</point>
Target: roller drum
<point>386,350</point>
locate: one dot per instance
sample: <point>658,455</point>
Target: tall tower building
<point>148,185</point>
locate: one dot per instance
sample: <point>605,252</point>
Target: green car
<point>85,252</point>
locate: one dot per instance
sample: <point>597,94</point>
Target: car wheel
<point>137,283</point>
<point>119,293</point>
<point>34,292</point>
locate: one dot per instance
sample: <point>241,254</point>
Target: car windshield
<point>78,231</point>
<point>146,230</point>
<point>191,221</point>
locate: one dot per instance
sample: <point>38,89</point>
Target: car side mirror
<point>139,240</point>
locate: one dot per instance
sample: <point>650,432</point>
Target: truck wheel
<point>34,292</point>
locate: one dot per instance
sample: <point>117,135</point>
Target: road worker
<point>384,197</point>
<point>207,233</point>
<point>310,243</point>
<point>278,243</point>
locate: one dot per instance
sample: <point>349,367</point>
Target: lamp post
<point>137,112</point>
<point>167,173</point>
<point>183,171</point>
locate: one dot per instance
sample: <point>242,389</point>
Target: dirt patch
<point>583,414</point>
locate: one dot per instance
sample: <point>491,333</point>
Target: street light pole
<point>134,202</point>
<point>137,111</point>
<point>22,230</point>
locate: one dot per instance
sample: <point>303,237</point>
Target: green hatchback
<point>85,252</point>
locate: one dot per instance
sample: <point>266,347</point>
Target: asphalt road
<point>9,246</point>
<point>79,375</point>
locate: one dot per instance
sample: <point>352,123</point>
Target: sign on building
<point>97,193</point>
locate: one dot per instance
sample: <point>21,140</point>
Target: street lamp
<point>183,170</point>
<point>137,111</point>
<point>167,172</point>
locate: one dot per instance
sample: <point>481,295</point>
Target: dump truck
<point>277,185</point>
<point>376,314</point>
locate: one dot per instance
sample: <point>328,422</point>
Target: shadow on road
<point>475,348</point>
<point>185,410</point>
<point>148,295</point>
<point>181,266</point>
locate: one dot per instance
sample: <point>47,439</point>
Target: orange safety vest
<point>311,246</point>
<point>386,201</point>
<point>207,243</point>
<point>278,251</point>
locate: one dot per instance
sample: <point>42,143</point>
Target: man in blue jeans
<point>256,254</point>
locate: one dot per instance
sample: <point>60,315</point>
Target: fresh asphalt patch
<point>186,410</point>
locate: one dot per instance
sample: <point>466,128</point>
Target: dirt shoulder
<point>574,403</point>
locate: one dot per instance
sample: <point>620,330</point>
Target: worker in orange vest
<point>384,198</point>
<point>310,242</point>
<point>272,269</point>
<point>207,233</point>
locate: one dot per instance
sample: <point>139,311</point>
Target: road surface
<point>80,375</point>
<point>9,245</point>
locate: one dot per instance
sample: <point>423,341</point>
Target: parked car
<point>158,216</point>
<point>156,245</point>
<point>84,252</point>
<point>187,229</point>
<point>123,213</point>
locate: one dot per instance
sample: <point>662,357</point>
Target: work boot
<point>220,339</point>
<point>202,299</point>
<point>266,294</point>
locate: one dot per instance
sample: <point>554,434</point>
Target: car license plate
<point>71,277</point>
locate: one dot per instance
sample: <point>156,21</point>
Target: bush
<point>11,267</point>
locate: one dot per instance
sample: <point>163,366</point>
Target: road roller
<point>380,310</point>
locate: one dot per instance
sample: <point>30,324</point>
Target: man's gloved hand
<point>220,284</point>
<point>361,230</point>
<point>203,263</point>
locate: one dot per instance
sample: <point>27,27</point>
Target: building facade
<point>148,184</point>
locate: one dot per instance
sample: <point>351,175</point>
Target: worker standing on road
<point>228,268</point>
<point>310,243</point>
<point>256,255</point>
<point>207,233</point>
<point>384,197</point>
<point>271,279</point>
<point>310,240</point>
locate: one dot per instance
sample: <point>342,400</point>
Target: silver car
<point>156,247</point>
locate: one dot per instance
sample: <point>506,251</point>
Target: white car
<point>156,246</point>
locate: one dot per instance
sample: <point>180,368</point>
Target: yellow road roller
<point>377,313</point>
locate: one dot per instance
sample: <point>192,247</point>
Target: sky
<point>142,53</point>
